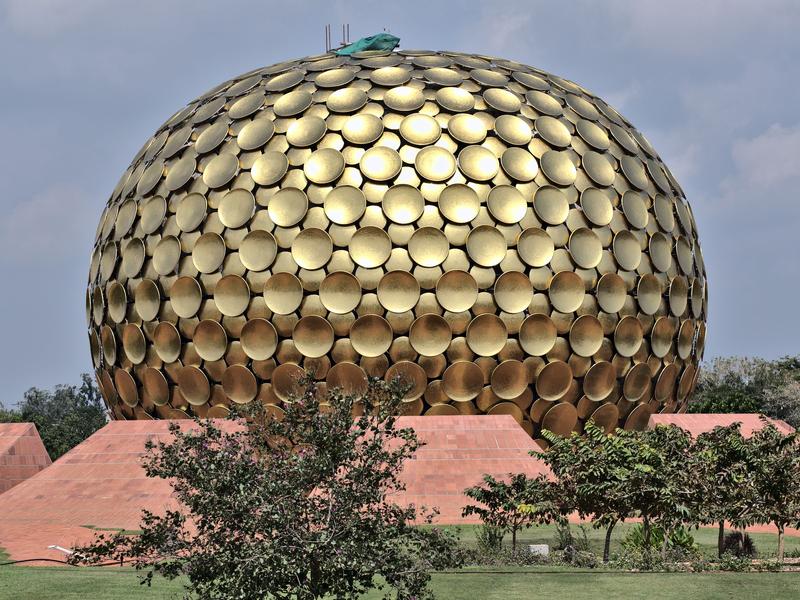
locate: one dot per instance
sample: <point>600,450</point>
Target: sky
<point>83,83</point>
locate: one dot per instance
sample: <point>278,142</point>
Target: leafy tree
<point>292,508</point>
<point>64,416</point>
<point>512,505</point>
<point>593,473</point>
<point>721,466</point>
<point>776,471</point>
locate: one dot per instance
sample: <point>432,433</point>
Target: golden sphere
<point>497,235</point>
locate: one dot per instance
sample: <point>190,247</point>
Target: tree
<point>512,505</point>
<point>64,417</point>
<point>292,508</point>
<point>721,464</point>
<point>776,471</point>
<point>592,471</point>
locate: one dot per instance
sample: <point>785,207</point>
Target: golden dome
<point>497,235</point>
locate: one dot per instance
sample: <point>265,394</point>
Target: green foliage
<point>296,508</point>
<point>739,544</point>
<point>565,538</point>
<point>64,416</point>
<point>514,504</point>
<point>489,538</point>
<point>678,538</point>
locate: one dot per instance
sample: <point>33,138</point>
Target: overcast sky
<point>714,84</point>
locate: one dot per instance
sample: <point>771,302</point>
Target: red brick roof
<point>22,454</point>
<point>701,423</point>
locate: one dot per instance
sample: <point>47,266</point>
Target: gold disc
<point>639,418</point>
<point>509,379</point>
<point>486,245</point>
<point>661,337</point>
<point>255,134</point>
<point>166,255</point>
<point>147,299</point>
<point>597,206</point>
<point>648,294</point>
<point>403,204</point>
<point>193,385</point>
<point>126,386</point>
<point>599,381</point>
<point>409,374</point>
<point>513,292</point>
<point>239,384</point>
<point>456,291</point>
<point>561,419</point>
<point>506,204</point>
<point>191,212</point>
<point>519,164</point>
<point>398,291</point>
<point>627,250</point>
<point>636,382</point>
<point>537,335</point>
<point>347,377</point>
<point>462,381</point>
<point>220,170</point>
<point>286,382</point>
<point>430,335</point>
<point>566,291</point>
<point>380,163</point>
<point>535,247</point>
<point>362,129</point>
<point>558,167</point>
<point>435,163</point>
<point>598,168</point>
<point>211,137</point>
<point>236,208</point>
<point>442,410</point>
<point>312,248</point>
<point>269,168</point>
<point>371,335</point>
<point>585,248</point>
<point>554,380</point>
<point>455,99</point>
<point>208,252</point>
<point>611,292</point>
<point>313,336</point>
<point>459,203</point>
<point>133,343</point>
<point>467,129</point>
<point>167,342</point>
<point>513,130</point>
<point>370,247</point>
<point>606,417</point>
<point>665,386</point>
<point>486,335</point>
<point>551,205</point>
<point>324,166</point>
<point>346,100</point>
<point>155,386</point>
<point>345,204</point>
<point>478,163</point>
<point>288,207</point>
<point>428,246</point>
<point>507,408</point>
<point>292,103</point>
<point>283,293</point>
<point>628,336</point>
<point>185,296</point>
<point>553,131</point>
<point>259,339</point>
<point>232,295</point>
<point>210,340</point>
<point>306,131</point>
<point>340,292</point>
<point>404,98</point>
<point>586,335</point>
<point>258,250</point>
<point>420,129</point>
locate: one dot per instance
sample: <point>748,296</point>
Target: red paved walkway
<point>22,454</point>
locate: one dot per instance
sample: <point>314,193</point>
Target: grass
<point>57,583</point>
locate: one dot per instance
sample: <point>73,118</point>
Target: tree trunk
<point>514,539</point>
<point>780,543</point>
<point>721,538</point>
<point>607,545</point>
<point>646,532</point>
<point>664,544</point>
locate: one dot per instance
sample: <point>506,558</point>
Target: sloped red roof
<point>22,454</point>
<point>701,423</point>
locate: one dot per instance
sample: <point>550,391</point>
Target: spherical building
<point>498,236</point>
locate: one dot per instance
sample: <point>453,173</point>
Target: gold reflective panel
<point>473,224</point>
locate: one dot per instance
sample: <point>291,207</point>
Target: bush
<point>732,562</point>
<point>565,539</point>
<point>489,538</point>
<point>679,539</point>
<point>739,544</point>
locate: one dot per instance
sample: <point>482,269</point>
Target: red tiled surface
<point>701,423</point>
<point>101,482</point>
<point>22,454</point>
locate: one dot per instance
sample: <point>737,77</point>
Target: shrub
<point>489,538</point>
<point>740,544</point>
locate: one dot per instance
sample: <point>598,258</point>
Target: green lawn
<point>57,583</point>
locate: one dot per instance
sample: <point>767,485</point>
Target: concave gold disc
<point>661,336</point>
<point>513,130</point>
<point>628,336</point>
<point>147,299</point>
<point>117,302</point>
<point>598,168</point>
<point>506,204</point>
<point>507,408</point>
<point>486,245</point>
<point>269,168</point>
<point>220,170</point>
<point>456,291</point>
<point>551,205</point>
<point>462,381</point>
<point>191,212</point>
<point>258,250</point>
<point>371,335</point>
<point>288,207</point>
<point>665,385</point>
<point>455,99</point>
<point>627,250</point>
<point>509,379</point>
<point>606,417</point>
<point>255,134</point>
<point>535,247</point>
<point>597,206</point>
<point>553,131</point>
<point>259,339</point>
<point>306,131</point>
<point>236,208</point>
<point>554,380</point>
<point>404,98</point>
<point>193,385</point>
<point>467,129</point>
<point>283,293</point>
<point>133,343</point>
<point>566,291</point>
<point>599,380</point>
<point>239,384</point>
<point>639,418</point>
<point>362,129</point>
<point>428,246</point>
<point>313,336</point>
<point>126,386</point>
<point>286,382</point>
<point>513,292</point>
<point>346,100</point>
<point>611,292</point>
<point>312,248</point>
<point>435,163</point>
<point>167,342</point>
<point>648,294</point>
<point>478,163</point>
<point>430,335</point>
<point>155,386</point>
<point>486,334</point>
<point>561,419</point>
<point>442,410</point>
<point>345,204</point>
<point>409,374</point>
<point>347,377</point>
<point>403,204</point>
<point>586,335</point>
<point>208,252</point>
<point>380,163</point>
<point>398,291</point>
<point>558,167</point>
<point>324,166</point>
<point>210,340</point>
<point>537,335</point>
<point>459,203</point>
<point>636,382</point>
<point>420,129</point>
<point>232,295</point>
<point>585,248</point>
<point>340,292</point>
<point>370,247</point>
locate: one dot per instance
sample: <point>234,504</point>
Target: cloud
<point>43,18</point>
<point>770,158</point>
